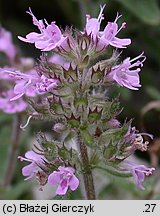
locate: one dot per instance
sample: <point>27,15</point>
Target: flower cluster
<point>64,177</point>
<point>139,172</point>
<point>21,78</point>
<point>70,89</point>
<point>49,37</point>
<point>6,82</point>
<point>108,35</point>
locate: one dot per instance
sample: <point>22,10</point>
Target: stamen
<point>101,15</point>
<point>140,56</point>
<point>147,134</point>
<point>28,120</point>
<point>47,22</point>
<point>117,17</point>
<point>146,172</point>
<point>140,145</point>
<point>122,27</point>
<point>24,159</point>
<point>30,12</point>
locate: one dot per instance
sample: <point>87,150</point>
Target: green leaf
<point>146,10</point>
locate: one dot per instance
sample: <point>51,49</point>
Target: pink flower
<point>6,44</point>
<point>136,141</point>
<point>8,106</point>
<point>127,73</point>
<point>25,83</point>
<point>30,84</point>
<point>49,38</point>
<point>113,123</point>
<point>108,36</point>
<point>35,160</point>
<point>139,172</point>
<point>93,24</point>
<point>65,179</point>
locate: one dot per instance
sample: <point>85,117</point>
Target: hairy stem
<point>15,141</point>
<point>87,176</point>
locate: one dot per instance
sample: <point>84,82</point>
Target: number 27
<point>150,207</point>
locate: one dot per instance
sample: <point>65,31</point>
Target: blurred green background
<point>143,27</point>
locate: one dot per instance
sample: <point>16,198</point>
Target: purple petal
<point>53,32</point>
<point>120,43</point>
<point>73,183</point>
<point>62,189</point>
<point>20,87</point>
<point>30,38</point>
<point>140,176</point>
<point>110,31</point>
<point>16,97</point>
<point>29,170</point>
<point>92,27</point>
<point>66,169</point>
<point>33,156</point>
<point>54,178</point>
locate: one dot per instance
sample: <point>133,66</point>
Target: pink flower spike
<point>35,160</point>
<point>127,74</point>
<point>65,179</point>
<point>49,38</point>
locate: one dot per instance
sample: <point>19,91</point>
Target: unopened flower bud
<point>113,123</point>
<point>58,127</point>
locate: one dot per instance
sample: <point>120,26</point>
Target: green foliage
<point>146,10</point>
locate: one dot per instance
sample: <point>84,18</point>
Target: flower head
<point>139,172</point>
<point>49,38</point>
<point>35,160</point>
<point>65,178</point>
<point>127,73</point>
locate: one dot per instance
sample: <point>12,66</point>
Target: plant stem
<point>87,176</point>
<point>15,141</point>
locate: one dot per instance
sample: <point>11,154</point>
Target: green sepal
<point>87,137</point>
<point>69,136</point>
